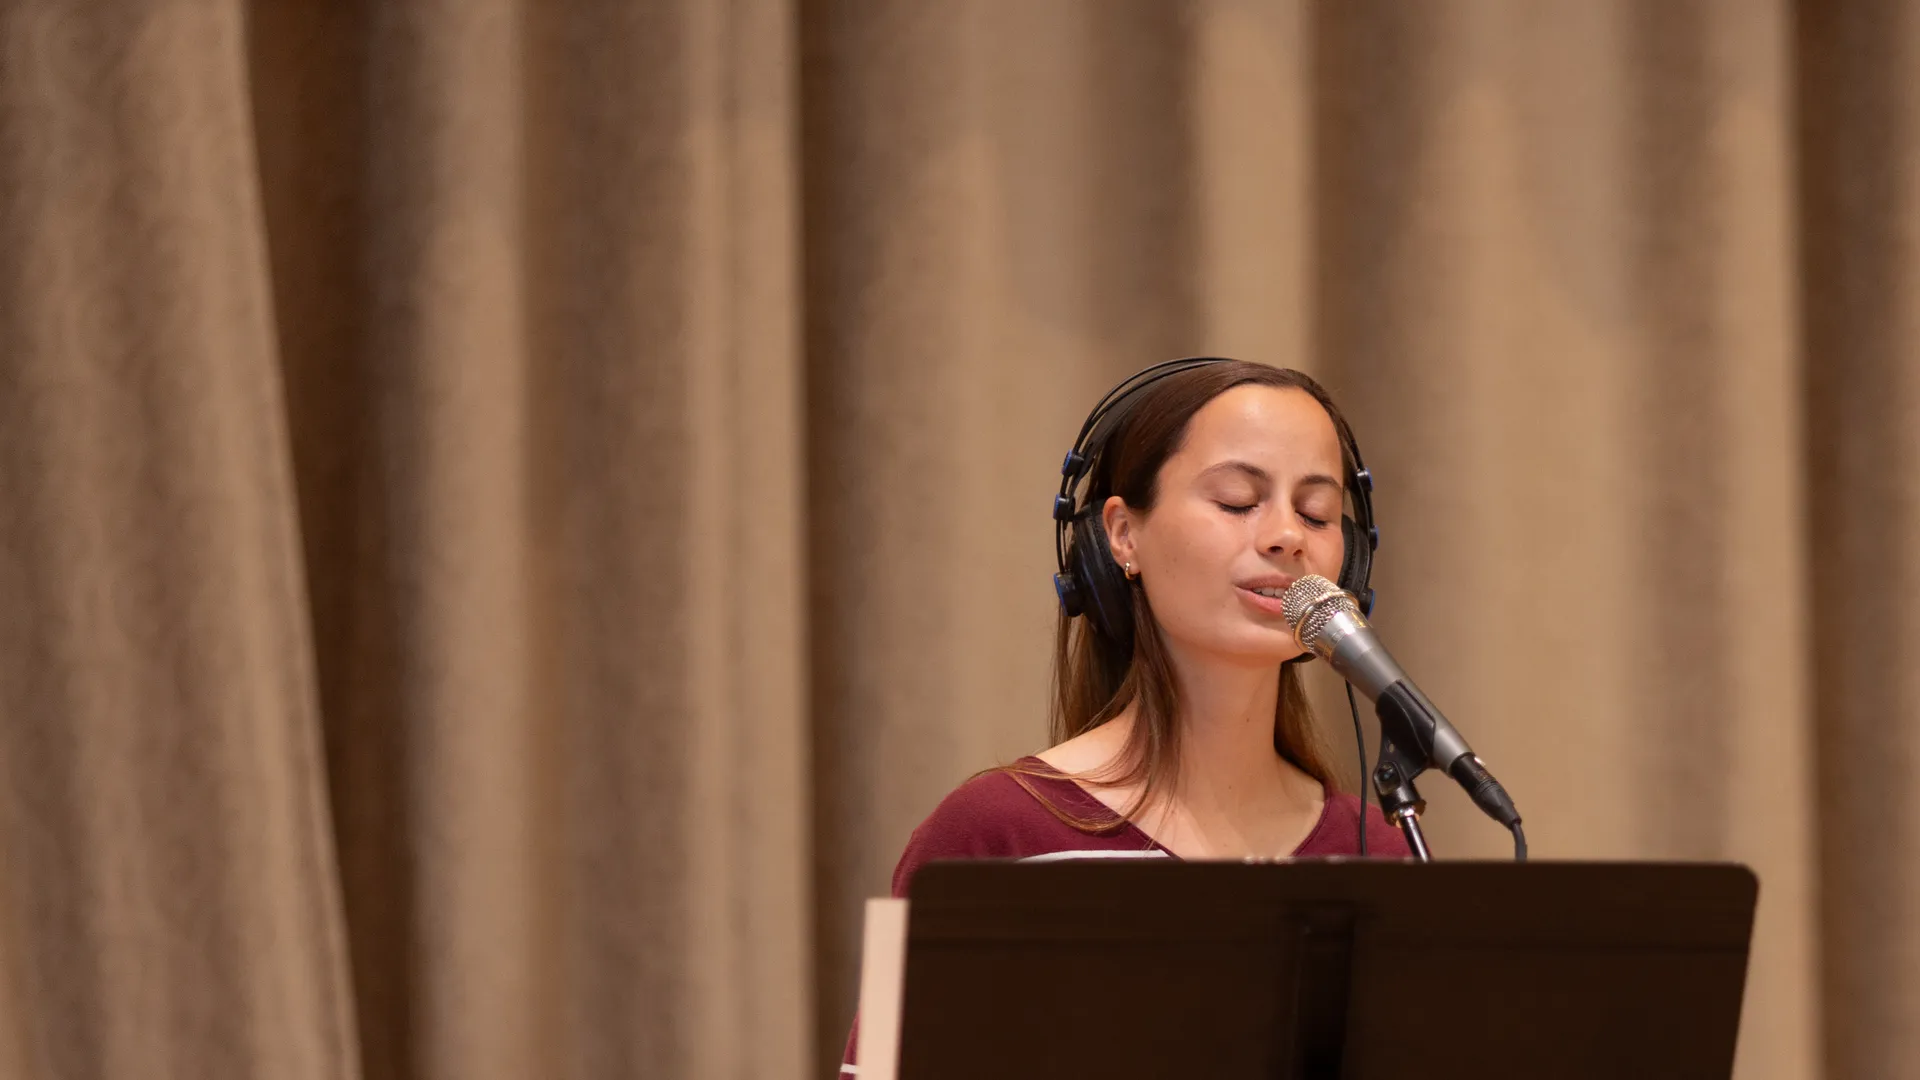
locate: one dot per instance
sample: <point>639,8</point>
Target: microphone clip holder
<point>1406,750</point>
<point>1400,801</point>
<point>1410,728</point>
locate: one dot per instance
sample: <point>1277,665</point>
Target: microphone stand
<point>1399,799</point>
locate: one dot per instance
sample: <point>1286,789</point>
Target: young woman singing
<point>1180,726</point>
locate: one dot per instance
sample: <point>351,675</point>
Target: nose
<point>1282,534</point>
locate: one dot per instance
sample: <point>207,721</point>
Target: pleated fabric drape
<point>1858,137</point>
<point>169,885</point>
<point>539,269</point>
<point>510,510</point>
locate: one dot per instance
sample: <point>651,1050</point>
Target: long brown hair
<point>1095,677</point>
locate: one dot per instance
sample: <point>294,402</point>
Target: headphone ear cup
<point>1356,564</point>
<point>1105,596</point>
<point>1350,553</point>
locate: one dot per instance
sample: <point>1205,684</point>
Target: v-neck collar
<point>1090,802</point>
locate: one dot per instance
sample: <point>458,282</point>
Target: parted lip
<point>1270,581</point>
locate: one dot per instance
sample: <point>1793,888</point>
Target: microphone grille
<point>1312,602</point>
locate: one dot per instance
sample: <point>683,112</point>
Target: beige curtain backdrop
<point>510,510</point>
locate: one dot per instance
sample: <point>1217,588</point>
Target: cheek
<point>1328,551</point>
<point>1217,543</point>
<point>1189,540</point>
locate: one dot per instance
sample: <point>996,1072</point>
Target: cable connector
<point>1485,791</point>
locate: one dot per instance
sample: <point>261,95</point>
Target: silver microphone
<point>1326,621</point>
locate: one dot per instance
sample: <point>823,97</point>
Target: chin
<point>1261,649</point>
<point>1234,639</point>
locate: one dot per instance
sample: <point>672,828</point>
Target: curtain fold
<point>510,511</point>
<point>169,899</point>
<point>1859,148</point>
<point>551,465</point>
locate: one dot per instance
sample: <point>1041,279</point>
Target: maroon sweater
<point>993,817</point>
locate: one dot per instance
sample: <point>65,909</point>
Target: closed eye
<point>1318,523</point>
<point>1232,508</point>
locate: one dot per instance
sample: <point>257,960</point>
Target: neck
<point>1227,712</point>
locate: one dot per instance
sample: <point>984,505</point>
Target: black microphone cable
<point>1360,745</point>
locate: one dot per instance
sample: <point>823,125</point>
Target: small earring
<point>1131,576</point>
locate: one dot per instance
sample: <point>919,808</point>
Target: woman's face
<point>1250,502</point>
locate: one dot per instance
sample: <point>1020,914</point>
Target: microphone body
<point>1327,621</point>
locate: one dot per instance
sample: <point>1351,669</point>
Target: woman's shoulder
<point>983,816</point>
<point>1015,811</point>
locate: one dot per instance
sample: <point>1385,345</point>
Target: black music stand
<point>1324,969</point>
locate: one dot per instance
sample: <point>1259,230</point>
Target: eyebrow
<point>1262,475</point>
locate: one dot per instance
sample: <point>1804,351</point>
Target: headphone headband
<point>1099,425</point>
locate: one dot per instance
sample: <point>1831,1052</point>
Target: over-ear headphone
<point>1090,583</point>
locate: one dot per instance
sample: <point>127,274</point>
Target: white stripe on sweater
<point>1056,856</point>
